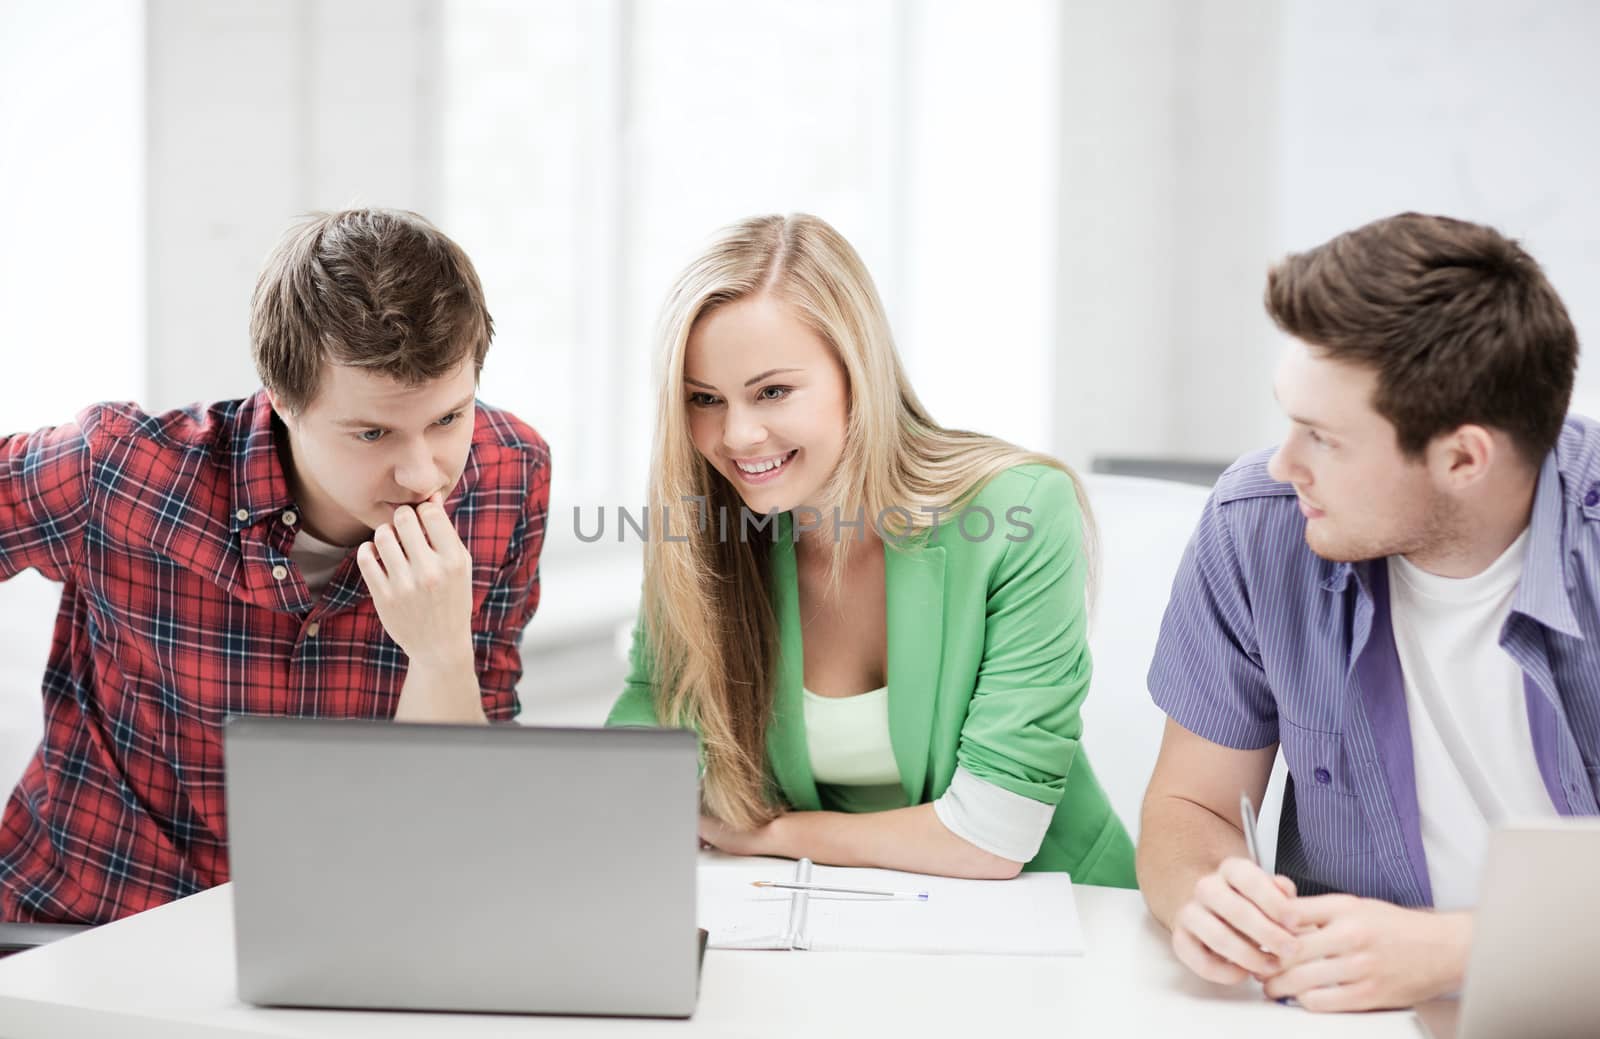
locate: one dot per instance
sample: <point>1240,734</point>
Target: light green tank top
<point>852,758</point>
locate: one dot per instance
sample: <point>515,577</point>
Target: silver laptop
<point>1535,940</point>
<point>468,868</point>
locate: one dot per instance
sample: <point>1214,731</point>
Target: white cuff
<point>993,818</point>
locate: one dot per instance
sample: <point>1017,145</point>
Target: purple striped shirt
<point>1265,642</point>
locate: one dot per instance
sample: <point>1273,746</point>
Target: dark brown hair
<point>380,289</point>
<point>1458,321</point>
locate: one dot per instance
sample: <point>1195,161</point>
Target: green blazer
<point>988,669</point>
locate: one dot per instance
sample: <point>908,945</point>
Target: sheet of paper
<point>1032,915</point>
<point>739,916</point>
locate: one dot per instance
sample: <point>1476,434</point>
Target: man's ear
<point>284,413</point>
<point>1463,456</point>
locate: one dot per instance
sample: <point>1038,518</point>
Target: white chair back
<point>1144,528</point>
<point>1144,525</point>
<point>27,618</point>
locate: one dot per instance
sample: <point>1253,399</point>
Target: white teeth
<point>757,468</point>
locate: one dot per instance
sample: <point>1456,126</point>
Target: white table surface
<point>169,973</point>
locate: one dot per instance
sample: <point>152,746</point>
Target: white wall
<point>257,114</point>
<point>1227,227</point>
<point>1116,210</point>
<point>71,207</point>
<point>1181,147</point>
<point>1219,135</point>
<point>975,316</point>
<point>1473,108</point>
<point>1169,215</point>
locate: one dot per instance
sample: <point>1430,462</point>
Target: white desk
<point>169,973</point>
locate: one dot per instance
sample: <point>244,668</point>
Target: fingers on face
<point>409,530</point>
<point>440,531</point>
<point>371,569</point>
<point>417,549</point>
<point>393,557</point>
<point>430,542</point>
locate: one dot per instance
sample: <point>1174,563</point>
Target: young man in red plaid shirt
<point>359,539</point>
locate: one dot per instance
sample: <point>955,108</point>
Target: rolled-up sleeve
<point>1206,672</point>
<point>993,818</point>
<point>1023,723</point>
<point>45,490</point>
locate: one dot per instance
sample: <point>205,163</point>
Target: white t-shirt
<point>1465,699</point>
<point>317,559</point>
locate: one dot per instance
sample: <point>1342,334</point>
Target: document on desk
<point>1031,915</point>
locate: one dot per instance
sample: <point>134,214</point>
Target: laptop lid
<point>1534,947</point>
<point>480,868</point>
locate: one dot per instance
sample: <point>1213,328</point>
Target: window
<point>588,148</point>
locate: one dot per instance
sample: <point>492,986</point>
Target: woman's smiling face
<point>767,400</point>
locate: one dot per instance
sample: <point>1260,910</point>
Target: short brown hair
<point>1458,321</point>
<point>380,289</point>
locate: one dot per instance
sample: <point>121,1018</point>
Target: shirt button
<point>1592,498</point>
<point>280,571</point>
<point>289,518</point>
<point>312,629</point>
<point>242,515</point>
<point>1323,775</point>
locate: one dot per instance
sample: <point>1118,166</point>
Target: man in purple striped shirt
<point>1402,597</point>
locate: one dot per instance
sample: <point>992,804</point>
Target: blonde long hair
<point>707,612</point>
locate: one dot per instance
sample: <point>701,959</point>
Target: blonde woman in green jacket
<point>876,624</point>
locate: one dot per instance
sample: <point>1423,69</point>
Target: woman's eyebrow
<point>769,373</point>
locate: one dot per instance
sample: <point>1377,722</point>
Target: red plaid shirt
<point>181,607</point>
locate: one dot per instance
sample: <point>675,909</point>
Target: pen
<point>1247,815</point>
<point>920,896</point>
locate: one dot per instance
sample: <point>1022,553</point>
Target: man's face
<point>368,444</point>
<point>1361,497</point>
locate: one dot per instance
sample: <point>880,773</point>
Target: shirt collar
<point>1338,577</point>
<point>260,487</point>
<point>1542,591</point>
